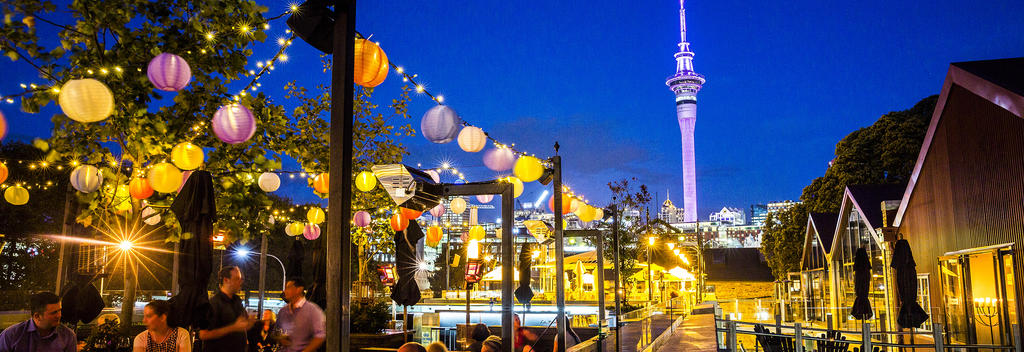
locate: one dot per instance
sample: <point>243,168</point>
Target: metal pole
<point>174,268</point>
<point>263,273</point>
<point>799,338</point>
<point>937,337</point>
<point>866,336</point>
<point>284,275</point>
<point>65,228</point>
<point>600,292</point>
<point>507,261</point>
<point>556,162</point>
<point>615,258</point>
<point>650,274</point>
<point>339,198</point>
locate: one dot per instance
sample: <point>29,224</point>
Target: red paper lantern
<point>399,222</point>
<point>566,203</point>
<point>411,214</point>
<point>139,188</point>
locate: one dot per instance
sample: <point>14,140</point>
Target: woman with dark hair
<point>159,337</point>
<point>479,333</point>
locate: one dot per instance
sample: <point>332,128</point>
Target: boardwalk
<point>634,332</point>
<point>697,334</point>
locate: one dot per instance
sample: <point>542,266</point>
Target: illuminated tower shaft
<point>685,84</point>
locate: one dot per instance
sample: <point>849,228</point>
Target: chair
<point>836,342</point>
<point>773,343</point>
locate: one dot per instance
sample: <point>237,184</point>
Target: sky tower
<point>685,84</point>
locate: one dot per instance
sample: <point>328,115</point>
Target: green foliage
<point>782,239</point>
<point>370,317</point>
<point>45,209</point>
<point>627,196</point>
<point>882,153</point>
<point>105,337</point>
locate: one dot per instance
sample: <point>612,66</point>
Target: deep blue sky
<point>786,81</point>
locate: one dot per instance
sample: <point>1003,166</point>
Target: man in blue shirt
<point>41,333</point>
<point>302,322</point>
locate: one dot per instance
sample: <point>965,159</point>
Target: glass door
<point>950,274</point>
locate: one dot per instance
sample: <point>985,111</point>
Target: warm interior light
<point>125,245</point>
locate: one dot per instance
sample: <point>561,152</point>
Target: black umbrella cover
<point>318,289</point>
<point>524,293</point>
<point>295,257</point>
<point>196,211</point>
<point>80,301</point>
<point>911,314</point>
<point>406,292</point>
<point>861,285</point>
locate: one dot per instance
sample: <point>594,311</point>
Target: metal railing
<point>648,323</point>
<point>727,332</point>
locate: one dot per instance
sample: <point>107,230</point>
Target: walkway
<point>696,334</point>
<point>633,332</point>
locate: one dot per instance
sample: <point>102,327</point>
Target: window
<point>925,299</point>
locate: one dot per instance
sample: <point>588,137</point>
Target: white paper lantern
<point>86,178</point>
<point>458,205</point>
<point>440,124</point>
<point>269,182</point>
<point>472,139</point>
<point>86,100</point>
<point>499,159</point>
<point>150,216</point>
<point>485,198</point>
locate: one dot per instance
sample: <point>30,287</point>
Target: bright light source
<point>671,245</point>
<point>424,266</point>
<point>242,252</point>
<point>125,245</point>
<point>650,240</point>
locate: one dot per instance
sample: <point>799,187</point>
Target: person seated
<point>412,347</point>
<point>260,336</point>
<point>491,344</point>
<point>437,346</point>
<point>524,337</point>
<point>479,334</point>
<point>160,337</point>
<point>43,331</point>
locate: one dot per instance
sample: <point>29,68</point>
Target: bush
<point>370,316</point>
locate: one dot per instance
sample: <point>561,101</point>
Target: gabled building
<point>963,211</point>
<point>814,270</point>
<point>860,226</point>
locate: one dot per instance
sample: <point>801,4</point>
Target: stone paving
<point>696,334</point>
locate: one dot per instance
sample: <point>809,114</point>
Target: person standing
<point>225,327</point>
<point>159,337</point>
<point>302,322</point>
<point>42,332</point>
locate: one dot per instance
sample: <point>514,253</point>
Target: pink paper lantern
<point>485,198</point>
<point>361,218</point>
<point>311,232</point>
<point>499,159</point>
<point>437,211</point>
<point>234,123</point>
<point>169,72</point>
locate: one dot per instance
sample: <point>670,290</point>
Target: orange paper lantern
<point>411,214</point>
<point>320,183</point>
<point>434,234</point>
<point>3,172</point>
<point>371,64</point>
<point>399,222</point>
<point>566,203</point>
<point>139,188</point>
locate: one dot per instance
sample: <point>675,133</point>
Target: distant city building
<point>669,213</point>
<point>759,212</point>
<point>730,216</point>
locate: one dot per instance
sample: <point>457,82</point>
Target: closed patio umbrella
<point>406,292</point>
<point>861,285</point>
<point>911,314</point>
<point>523,293</point>
<point>196,212</point>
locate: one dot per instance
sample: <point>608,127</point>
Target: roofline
<point>856,206</point>
<point>981,87</point>
<point>817,235</point>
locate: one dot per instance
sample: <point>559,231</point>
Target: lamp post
<point>245,252</point>
<point>650,270</point>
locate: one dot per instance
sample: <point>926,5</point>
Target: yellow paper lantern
<point>528,168</point>
<point>315,215</point>
<point>517,186</point>
<point>366,181</point>
<point>586,213</point>
<point>294,229</point>
<point>477,233</point>
<point>187,156</point>
<point>371,64</point>
<point>86,100</point>
<point>120,197</point>
<point>434,234</point>
<point>458,205</point>
<point>3,172</point>
<point>164,178</point>
<point>16,195</point>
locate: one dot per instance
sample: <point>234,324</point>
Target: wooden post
<point>866,336</point>
<point>1018,345</point>
<point>937,337</point>
<point>732,336</point>
<point>65,228</point>
<point>600,291</point>
<point>615,263</point>
<point>799,336</point>
<point>559,252</point>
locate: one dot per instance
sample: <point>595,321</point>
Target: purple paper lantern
<point>169,72</point>
<point>437,211</point>
<point>361,218</point>
<point>234,123</point>
<point>440,124</point>
<point>311,232</point>
<point>485,198</point>
<point>499,159</point>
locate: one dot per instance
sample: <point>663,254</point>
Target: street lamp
<point>650,269</point>
<point>243,252</point>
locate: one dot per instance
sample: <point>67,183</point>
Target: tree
<point>782,239</point>
<point>628,198</point>
<point>883,153</point>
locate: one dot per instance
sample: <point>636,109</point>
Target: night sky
<point>785,81</point>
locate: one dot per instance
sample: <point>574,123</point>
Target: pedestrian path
<point>696,334</point>
<point>634,332</point>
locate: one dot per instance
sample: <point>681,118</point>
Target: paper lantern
<point>361,218</point>
<point>458,205</point>
<point>3,126</point>
<point>528,168</point>
<point>139,188</point>
<point>3,172</point>
<point>517,186</point>
<point>477,233</point>
<point>472,139</point>
<point>410,214</point>
<point>499,159</point>
<point>399,222</point>
<point>86,178</point>
<point>311,232</point>
<point>434,176</point>
<point>320,183</point>
<point>16,195</point>
<point>440,124</point>
<point>165,178</point>
<point>371,64</point>
<point>315,215</point>
<point>269,182</point>
<point>169,72</point>
<point>574,204</point>
<point>586,213</point>
<point>566,200</point>
<point>150,216</point>
<point>234,123</point>
<point>86,100</point>
<point>437,211</point>
<point>434,234</point>
<point>366,181</point>
<point>598,214</point>
<point>485,198</point>
<point>187,156</point>
<point>120,197</point>
<point>294,229</point>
